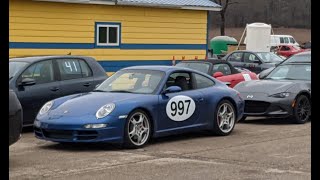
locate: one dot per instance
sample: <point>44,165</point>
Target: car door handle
<point>54,89</point>
<point>200,99</point>
<point>86,84</point>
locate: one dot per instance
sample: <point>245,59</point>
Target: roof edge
<point>111,2</point>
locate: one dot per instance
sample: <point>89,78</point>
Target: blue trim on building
<point>40,45</point>
<point>208,27</point>
<point>113,66</point>
<point>96,32</point>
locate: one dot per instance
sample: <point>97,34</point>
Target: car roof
<point>303,53</point>
<point>295,63</point>
<point>160,68</point>
<point>212,61</point>
<point>32,59</point>
<point>249,51</point>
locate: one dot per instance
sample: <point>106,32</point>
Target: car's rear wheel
<point>137,129</point>
<point>302,109</point>
<point>225,118</point>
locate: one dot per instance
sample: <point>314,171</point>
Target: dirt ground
<point>301,35</point>
<point>261,149</point>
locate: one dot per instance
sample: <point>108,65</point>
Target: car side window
<point>224,68</point>
<point>281,40</point>
<point>292,40</point>
<point>73,69</point>
<point>250,58</point>
<point>181,79</point>
<point>235,57</point>
<point>202,81</point>
<point>85,69</point>
<point>286,40</point>
<point>284,48</point>
<point>41,72</point>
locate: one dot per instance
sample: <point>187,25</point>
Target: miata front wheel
<point>137,129</point>
<point>225,118</point>
<point>302,110</point>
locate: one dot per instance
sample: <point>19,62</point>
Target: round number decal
<point>180,108</point>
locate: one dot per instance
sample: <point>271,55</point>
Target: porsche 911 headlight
<point>281,95</point>
<point>46,107</point>
<point>105,110</point>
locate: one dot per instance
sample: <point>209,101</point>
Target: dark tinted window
<point>281,40</point>
<point>250,58</point>
<point>41,72</point>
<point>202,81</point>
<point>235,57</point>
<point>113,34</point>
<point>86,70</point>
<point>202,67</point>
<point>284,48</point>
<point>224,68</point>
<point>292,40</point>
<point>102,34</point>
<point>180,79</point>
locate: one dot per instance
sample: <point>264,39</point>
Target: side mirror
<point>217,74</point>
<point>172,89</point>
<point>265,73</point>
<point>27,82</point>
<point>256,61</point>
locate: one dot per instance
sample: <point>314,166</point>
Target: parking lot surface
<point>257,149</point>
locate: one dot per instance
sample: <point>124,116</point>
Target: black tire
<point>129,142</point>
<point>243,119</point>
<point>217,120</point>
<point>302,110</point>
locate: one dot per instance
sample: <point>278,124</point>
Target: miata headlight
<point>281,95</point>
<point>46,107</point>
<point>105,110</point>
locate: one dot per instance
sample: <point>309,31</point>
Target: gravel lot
<point>257,149</point>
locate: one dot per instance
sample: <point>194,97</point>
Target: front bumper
<point>268,106</point>
<point>77,133</point>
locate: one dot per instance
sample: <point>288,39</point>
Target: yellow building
<point>117,33</point>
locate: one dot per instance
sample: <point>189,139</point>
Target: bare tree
<point>224,4</point>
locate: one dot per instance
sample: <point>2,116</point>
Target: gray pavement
<point>257,149</point>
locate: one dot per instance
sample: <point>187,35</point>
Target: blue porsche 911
<point>141,102</point>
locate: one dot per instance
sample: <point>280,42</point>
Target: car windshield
<point>269,57</point>
<point>299,58</point>
<point>132,81</point>
<point>291,72</point>
<point>14,67</point>
<point>202,67</point>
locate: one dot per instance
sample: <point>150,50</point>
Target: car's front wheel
<point>302,109</point>
<point>225,118</point>
<point>137,129</point>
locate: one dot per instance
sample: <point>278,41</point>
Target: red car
<point>221,70</point>
<point>289,50</point>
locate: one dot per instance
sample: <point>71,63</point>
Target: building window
<point>108,34</point>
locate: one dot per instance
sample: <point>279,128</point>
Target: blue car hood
<point>88,103</point>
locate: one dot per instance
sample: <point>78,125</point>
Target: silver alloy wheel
<point>138,128</point>
<point>225,117</point>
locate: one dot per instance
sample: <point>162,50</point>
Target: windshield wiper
<point>98,90</point>
<point>120,91</point>
<point>289,79</point>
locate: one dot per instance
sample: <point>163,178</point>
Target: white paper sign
<point>246,77</point>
